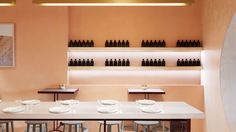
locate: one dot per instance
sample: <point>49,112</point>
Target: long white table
<point>171,111</point>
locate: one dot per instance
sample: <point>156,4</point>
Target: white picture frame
<point>7,45</point>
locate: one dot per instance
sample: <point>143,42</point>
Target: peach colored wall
<point>216,18</point>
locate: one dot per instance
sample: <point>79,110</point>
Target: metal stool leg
<point>12,126</point>
<point>7,127</point>
<point>100,127</point>
<point>34,128</point>
<point>70,128</point>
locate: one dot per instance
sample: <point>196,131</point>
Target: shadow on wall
<point>228,75</point>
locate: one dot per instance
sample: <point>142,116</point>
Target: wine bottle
<point>119,63</point>
<point>115,63</point>
<point>151,44</point>
<point>70,43</point>
<point>83,43</point>
<point>198,43</point>
<point>115,43</point>
<point>83,62</point>
<point>87,62</point>
<point>92,43</point>
<point>75,62</point>
<point>198,62</point>
<point>182,43</point>
<point>163,44</point>
<point>186,43</point>
<point>155,62</point>
<point>119,43</point>
<point>159,62</point>
<point>178,62</point>
<point>143,44</point>
<point>147,62</point>
<point>151,63</point>
<point>127,62</point>
<point>123,62</point>
<point>155,44</point>
<point>106,62</point>
<point>127,43</point>
<point>186,62</point>
<point>79,62</point>
<point>182,62</point>
<point>163,63</point>
<point>159,43</point>
<point>71,63</point>
<point>111,62</point>
<point>147,43</point>
<point>190,43</point>
<point>80,44</point>
<point>87,44</point>
<point>190,63</point>
<point>123,43</point>
<point>194,43</point>
<point>143,63</point>
<point>194,62</point>
<point>106,43</point>
<point>92,62</point>
<point>178,43</point>
<point>111,43</point>
<point>74,43</point>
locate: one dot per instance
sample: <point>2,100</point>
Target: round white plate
<point>146,102</point>
<point>59,109</point>
<point>107,110</point>
<point>108,102</point>
<point>30,102</point>
<point>69,102</point>
<point>151,110</point>
<point>15,109</point>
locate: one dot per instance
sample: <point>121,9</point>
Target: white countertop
<point>88,110</point>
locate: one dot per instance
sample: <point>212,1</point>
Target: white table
<point>146,91</point>
<point>172,111</point>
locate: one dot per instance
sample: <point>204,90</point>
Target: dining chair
<point>33,126</point>
<point>77,125</point>
<point>5,126</point>
<point>109,124</point>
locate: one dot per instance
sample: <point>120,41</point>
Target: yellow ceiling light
<point>113,2</point>
<point>7,2</point>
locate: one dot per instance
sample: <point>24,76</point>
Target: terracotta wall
<point>217,15</point>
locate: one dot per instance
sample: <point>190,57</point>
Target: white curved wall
<point>228,75</point>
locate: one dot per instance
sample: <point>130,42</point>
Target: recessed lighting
<point>7,2</point>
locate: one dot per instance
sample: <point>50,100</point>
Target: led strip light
<point>7,2</point>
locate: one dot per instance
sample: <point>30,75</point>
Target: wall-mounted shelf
<point>132,68</point>
<point>135,49</point>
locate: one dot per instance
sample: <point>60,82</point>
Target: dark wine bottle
<point>111,44</point>
<point>159,62</point>
<point>127,43</point>
<point>198,62</point>
<point>143,63</point>
<point>87,44</point>
<point>92,43</point>
<point>119,43</point>
<point>75,62</point>
<point>74,43</point>
<point>163,63</point>
<point>186,62</point>
<point>190,63</point>
<point>123,43</point>
<point>163,44</point>
<point>155,62</point>
<point>70,43</point>
<point>147,62</point>
<point>123,62</point>
<point>194,62</point>
<point>147,43</point>
<point>80,44</point>
<point>106,43</point>
<point>151,44</point>
<point>111,62</point>
<point>178,43</point>
<point>92,63</point>
<point>185,43</point>
<point>159,43</point>
<point>127,62</point>
<point>178,62</point>
<point>194,43</point>
<point>106,62</point>
<point>182,62</point>
<point>79,62</point>
<point>155,44</point>
<point>83,62</point>
<point>190,43</point>
<point>143,43</point>
<point>151,63</point>
<point>198,43</point>
<point>115,43</point>
<point>88,63</point>
<point>71,63</point>
<point>119,63</point>
<point>115,63</point>
<point>83,43</point>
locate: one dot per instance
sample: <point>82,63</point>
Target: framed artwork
<point>7,45</point>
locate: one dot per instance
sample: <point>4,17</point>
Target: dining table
<point>89,111</point>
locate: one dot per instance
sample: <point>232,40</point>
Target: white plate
<point>15,109</point>
<point>69,102</point>
<point>59,109</point>
<point>30,102</point>
<point>146,102</point>
<point>151,109</point>
<point>107,110</point>
<point>108,102</point>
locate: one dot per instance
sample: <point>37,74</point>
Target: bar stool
<point>77,125</point>
<point>6,124</point>
<point>110,124</point>
<point>146,125</point>
<point>33,125</point>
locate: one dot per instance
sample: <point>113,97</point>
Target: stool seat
<point>110,122</point>
<point>147,122</point>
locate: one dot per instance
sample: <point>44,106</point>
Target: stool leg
<point>82,127</point>
<point>64,128</point>
<point>40,127</point>
<point>46,127</point>
<point>28,128</point>
<point>12,126</point>
<point>7,127</point>
<point>118,126</point>
<point>75,127</point>
<point>100,127</point>
<point>70,128</point>
<point>109,128</point>
<point>34,128</point>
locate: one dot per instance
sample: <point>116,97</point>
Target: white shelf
<point>132,68</point>
<point>135,49</point>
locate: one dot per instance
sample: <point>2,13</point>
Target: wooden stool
<point>42,125</point>
<point>7,123</point>
<point>77,125</point>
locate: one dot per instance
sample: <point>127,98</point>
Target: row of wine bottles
<point>188,43</point>
<point>117,43</point>
<point>153,43</point>
<point>120,62</point>
<point>81,43</point>
<point>153,62</point>
<point>188,62</point>
<point>81,62</point>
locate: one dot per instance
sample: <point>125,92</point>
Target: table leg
<point>176,125</point>
<point>188,125</point>
<point>104,126</point>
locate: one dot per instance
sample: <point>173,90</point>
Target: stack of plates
<point>69,102</point>
<point>107,110</point>
<point>146,102</point>
<point>15,109</point>
<point>59,109</point>
<point>30,102</point>
<point>151,109</point>
<point>108,102</point>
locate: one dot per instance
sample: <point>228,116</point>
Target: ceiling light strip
<point>7,2</point>
<point>113,4</point>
